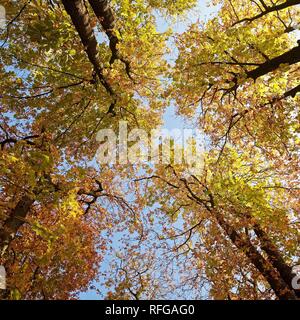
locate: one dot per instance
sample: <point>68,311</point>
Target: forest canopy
<point>69,224</point>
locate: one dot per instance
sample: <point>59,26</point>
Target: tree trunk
<point>273,277</point>
<point>106,18</point>
<point>81,20</point>
<point>14,222</point>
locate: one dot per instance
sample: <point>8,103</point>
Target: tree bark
<point>106,18</point>
<point>279,286</point>
<point>284,5</point>
<point>291,57</point>
<point>81,20</point>
<point>293,92</point>
<point>275,257</point>
<point>14,222</point>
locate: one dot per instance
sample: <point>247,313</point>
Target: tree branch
<point>291,57</point>
<point>106,18</point>
<point>80,18</point>
<point>268,10</point>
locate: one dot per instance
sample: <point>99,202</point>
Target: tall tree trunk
<point>81,20</point>
<point>15,220</point>
<point>275,257</point>
<point>271,274</point>
<point>106,18</point>
<point>105,15</point>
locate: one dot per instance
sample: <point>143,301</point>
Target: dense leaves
<point>71,68</point>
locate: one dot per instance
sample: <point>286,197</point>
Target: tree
<point>60,86</point>
<point>71,68</point>
<point>242,69</point>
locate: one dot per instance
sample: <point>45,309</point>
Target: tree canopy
<point>71,68</point>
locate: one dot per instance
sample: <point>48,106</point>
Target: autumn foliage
<point>68,224</point>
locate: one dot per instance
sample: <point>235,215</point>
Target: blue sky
<point>171,120</point>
